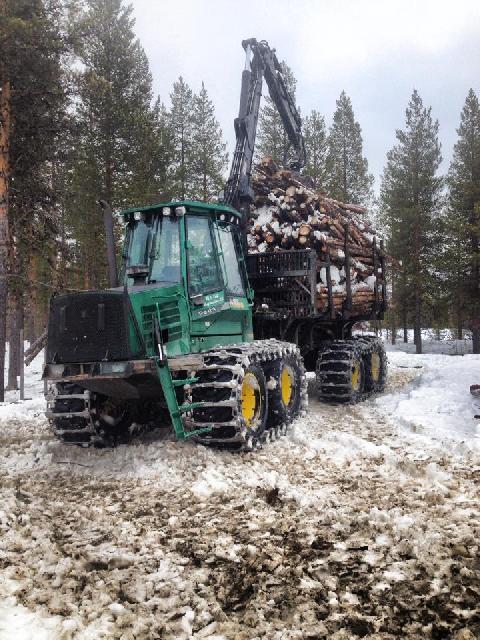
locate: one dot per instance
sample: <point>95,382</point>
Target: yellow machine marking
<point>356,375</point>
<point>286,385</point>
<point>375,365</point>
<point>249,397</point>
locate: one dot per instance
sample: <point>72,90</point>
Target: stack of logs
<point>287,214</point>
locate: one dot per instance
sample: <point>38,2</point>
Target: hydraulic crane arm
<point>261,62</point>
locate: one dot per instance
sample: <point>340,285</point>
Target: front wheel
<point>254,402</point>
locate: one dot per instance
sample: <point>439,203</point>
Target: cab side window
<point>231,260</point>
<point>203,268</point>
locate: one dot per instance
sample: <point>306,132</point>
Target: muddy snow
<point>363,522</point>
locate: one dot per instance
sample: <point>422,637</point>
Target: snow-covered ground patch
<point>362,522</point>
<point>437,405</point>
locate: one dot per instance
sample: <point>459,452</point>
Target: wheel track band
<point>334,369</point>
<point>233,433</point>
<point>219,388</point>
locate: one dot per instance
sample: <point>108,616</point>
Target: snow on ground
<point>438,406</point>
<point>363,522</point>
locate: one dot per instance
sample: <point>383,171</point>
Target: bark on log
<point>287,214</point>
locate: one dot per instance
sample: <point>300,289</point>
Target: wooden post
<point>375,271</point>
<point>331,306</point>
<point>22,367</point>
<point>384,274</point>
<point>348,275</point>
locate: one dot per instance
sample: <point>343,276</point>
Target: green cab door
<point>220,312</point>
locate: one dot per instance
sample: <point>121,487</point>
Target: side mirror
<point>139,273</point>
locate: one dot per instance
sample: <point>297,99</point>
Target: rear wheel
<point>341,372</point>
<point>375,366</point>
<point>284,380</point>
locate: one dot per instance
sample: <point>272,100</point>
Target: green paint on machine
<point>185,291</point>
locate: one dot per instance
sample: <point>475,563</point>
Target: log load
<point>286,214</point>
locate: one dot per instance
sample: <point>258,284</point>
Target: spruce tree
<point>412,199</point>
<point>462,222</point>
<point>272,139</point>
<point>181,131</point>
<point>209,157</point>
<point>315,136</point>
<point>347,176</point>
<point>118,153</point>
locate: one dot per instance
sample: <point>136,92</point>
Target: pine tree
<point>272,139</point>
<point>462,222</point>
<point>5,116</point>
<point>181,131</point>
<point>209,157</point>
<point>346,167</point>
<point>315,136</point>
<point>411,198</point>
<point>118,152</point>
<point>33,46</point>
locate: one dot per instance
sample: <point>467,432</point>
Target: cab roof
<point>191,205</point>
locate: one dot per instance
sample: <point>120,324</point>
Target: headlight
<point>137,215</point>
<point>166,211</point>
<point>180,211</point>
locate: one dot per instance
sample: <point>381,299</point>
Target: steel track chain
<point>334,383</point>
<point>78,425</point>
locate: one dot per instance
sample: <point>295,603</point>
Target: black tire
<point>62,426</point>
<point>340,373</point>
<point>284,382</point>
<point>112,428</point>
<point>376,366</point>
<point>255,416</point>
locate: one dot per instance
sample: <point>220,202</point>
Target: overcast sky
<point>378,52</point>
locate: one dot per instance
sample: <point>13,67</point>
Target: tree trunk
<point>460,329</point>
<point>4,183</point>
<point>393,312</point>
<point>417,327</point>
<point>393,329</point>
<point>14,353</point>
<point>31,335</point>
<point>476,340</point>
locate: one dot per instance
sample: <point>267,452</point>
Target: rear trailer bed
<point>299,284</point>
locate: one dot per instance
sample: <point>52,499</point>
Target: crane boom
<point>261,62</point>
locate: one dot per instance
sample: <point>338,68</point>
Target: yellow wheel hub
<point>286,385</point>
<point>375,367</point>
<point>250,398</point>
<point>356,375</point>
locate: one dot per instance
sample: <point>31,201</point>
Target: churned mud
<point>348,527</point>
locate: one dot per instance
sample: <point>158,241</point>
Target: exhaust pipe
<point>112,262</point>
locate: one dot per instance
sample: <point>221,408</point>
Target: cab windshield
<point>155,243</point>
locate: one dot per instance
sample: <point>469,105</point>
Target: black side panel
<point>88,327</point>
<point>284,281</point>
